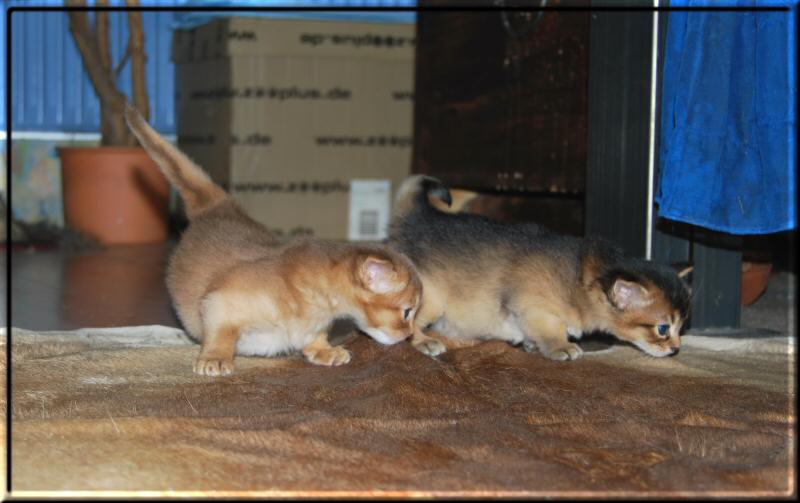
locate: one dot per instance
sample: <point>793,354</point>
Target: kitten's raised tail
<point>193,184</point>
<point>414,191</point>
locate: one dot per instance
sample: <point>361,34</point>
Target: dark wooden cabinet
<point>548,119</point>
<point>501,98</point>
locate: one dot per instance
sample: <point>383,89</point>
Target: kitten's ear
<point>629,294</point>
<point>378,275</point>
<point>683,273</point>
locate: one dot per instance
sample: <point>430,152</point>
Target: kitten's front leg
<point>426,344</point>
<point>548,334</point>
<point>216,355</point>
<point>428,313</point>
<point>320,352</point>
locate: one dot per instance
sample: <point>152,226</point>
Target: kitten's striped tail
<point>414,191</point>
<point>193,184</point>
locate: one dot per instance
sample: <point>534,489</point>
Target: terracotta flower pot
<point>755,277</point>
<point>116,195</point>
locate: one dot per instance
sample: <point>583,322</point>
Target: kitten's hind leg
<point>216,355</point>
<point>320,352</point>
<point>548,334</point>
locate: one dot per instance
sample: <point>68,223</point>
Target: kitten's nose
<point>673,351</point>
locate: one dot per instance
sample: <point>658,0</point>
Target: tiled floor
<point>117,286</point>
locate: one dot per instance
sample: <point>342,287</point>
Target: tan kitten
<point>525,284</point>
<point>238,291</point>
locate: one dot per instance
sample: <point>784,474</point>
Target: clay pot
<point>116,195</point>
<point>755,276</point>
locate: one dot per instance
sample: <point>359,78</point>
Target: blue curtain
<point>728,123</point>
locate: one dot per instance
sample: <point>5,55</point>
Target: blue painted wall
<point>50,89</point>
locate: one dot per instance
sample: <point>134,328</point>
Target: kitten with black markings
<point>525,284</point>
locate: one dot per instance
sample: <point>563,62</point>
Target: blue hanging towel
<point>728,123</point>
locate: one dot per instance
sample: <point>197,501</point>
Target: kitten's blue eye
<point>662,329</point>
<point>406,312</point>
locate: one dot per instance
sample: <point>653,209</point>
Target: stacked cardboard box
<point>288,115</point>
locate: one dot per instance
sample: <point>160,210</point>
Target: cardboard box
<point>286,113</point>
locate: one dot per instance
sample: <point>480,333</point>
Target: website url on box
<point>272,93</point>
<point>316,187</point>
<point>367,39</point>
<point>364,141</point>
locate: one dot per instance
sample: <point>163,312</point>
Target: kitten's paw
<point>213,367</point>
<point>529,346</point>
<point>328,356</point>
<point>568,351</point>
<point>430,347</point>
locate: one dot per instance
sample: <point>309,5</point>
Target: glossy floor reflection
<point>116,286</point>
<point>55,289</point>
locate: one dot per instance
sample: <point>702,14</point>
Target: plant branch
<point>104,50</point>
<point>122,61</point>
<point>90,53</point>
<point>101,30</point>
<point>138,59</point>
<point>112,102</point>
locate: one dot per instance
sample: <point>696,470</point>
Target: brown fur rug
<point>120,410</point>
